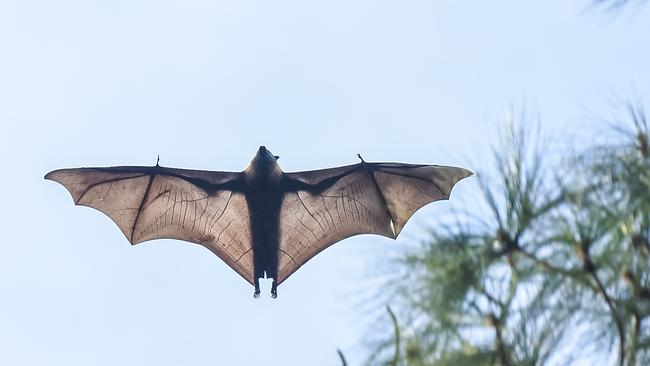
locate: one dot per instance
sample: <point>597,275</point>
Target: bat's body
<point>262,222</point>
<point>264,196</point>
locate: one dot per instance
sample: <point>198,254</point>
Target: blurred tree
<point>557,270</point>
<point>616,4</point>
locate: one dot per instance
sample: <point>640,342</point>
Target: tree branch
<point>397,336</point>
<point>615,315</point>
<point>500,342</point>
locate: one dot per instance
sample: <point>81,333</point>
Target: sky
<point>203,84</point>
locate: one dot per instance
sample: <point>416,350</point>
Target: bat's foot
<point>256,294</point>
<point>274,289</point>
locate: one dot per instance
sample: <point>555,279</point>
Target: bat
<point>263,222</point>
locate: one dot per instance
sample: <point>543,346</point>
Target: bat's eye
<point>277,157</point>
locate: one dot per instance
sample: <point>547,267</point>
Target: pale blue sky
<point>203,84</point>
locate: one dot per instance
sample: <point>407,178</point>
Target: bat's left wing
<point>146,203</point>
<point>322,207</point>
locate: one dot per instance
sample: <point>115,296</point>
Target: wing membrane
<point>150,203</point>
<point>366,198</point>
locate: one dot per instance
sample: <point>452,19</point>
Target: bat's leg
<point>273,273</point>
<point>256,294</point>
<point>274,289</point>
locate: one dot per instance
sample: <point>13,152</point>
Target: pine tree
<point>556,269</point>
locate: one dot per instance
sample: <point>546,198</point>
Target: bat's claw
<point>274,289</point>
<point>256,294</point>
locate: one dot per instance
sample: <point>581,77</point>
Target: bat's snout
<point>264,153</point>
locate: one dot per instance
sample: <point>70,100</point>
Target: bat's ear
<point>277,157</point>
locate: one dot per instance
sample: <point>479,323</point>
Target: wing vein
<point>243,254</point>
<point>381,194</point>
<point>307,227</point>
<point>144,198</point>
<point>221,214</point>
<point>287,254</point>
<point>309,212</point>
<point>106,181</point>
<point>435,184</point>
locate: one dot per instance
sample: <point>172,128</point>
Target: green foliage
<point>558,268</point>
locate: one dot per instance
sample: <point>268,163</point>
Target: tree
<point>616,4</point>
<point>556,268</point>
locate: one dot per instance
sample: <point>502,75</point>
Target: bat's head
<point>264,165</point>
<point>265,153</point>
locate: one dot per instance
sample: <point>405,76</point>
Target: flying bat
<point>262,221</point>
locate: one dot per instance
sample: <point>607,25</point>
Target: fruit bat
<point>262,221</point>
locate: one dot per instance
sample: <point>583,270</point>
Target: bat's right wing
<point>147,203</point>
<point>322,207</point>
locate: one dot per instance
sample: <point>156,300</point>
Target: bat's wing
<point>368,198</point>
<point>149,203</point>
